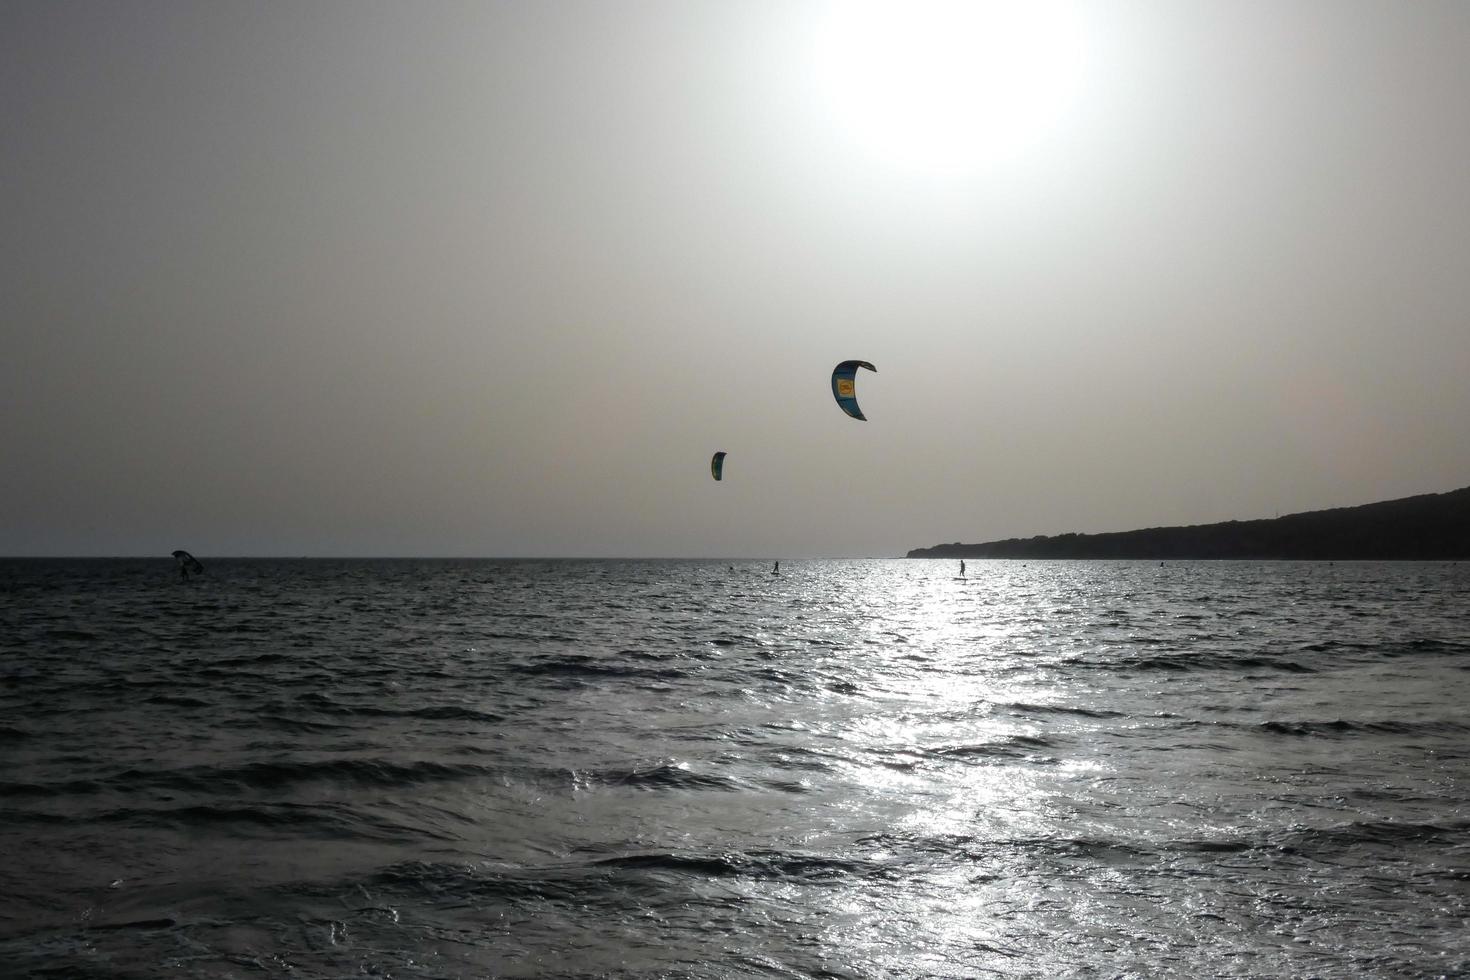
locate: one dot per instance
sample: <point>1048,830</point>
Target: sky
<point>352,277</point>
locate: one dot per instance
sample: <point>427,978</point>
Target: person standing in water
<point>962,568</point>
<point>776,568</point>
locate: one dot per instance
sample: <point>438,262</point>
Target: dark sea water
<point>414,769</point>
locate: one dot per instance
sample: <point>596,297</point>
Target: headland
<point>1428,527</point>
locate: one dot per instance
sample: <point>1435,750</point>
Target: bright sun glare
<point>950,86</point>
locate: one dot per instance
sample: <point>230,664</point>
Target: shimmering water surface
<point>693,769</point>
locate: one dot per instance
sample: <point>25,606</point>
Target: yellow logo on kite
<point>845,388</point>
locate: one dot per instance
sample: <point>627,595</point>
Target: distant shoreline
<point>1427,527</point>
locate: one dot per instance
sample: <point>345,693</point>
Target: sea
<point>668,769</point>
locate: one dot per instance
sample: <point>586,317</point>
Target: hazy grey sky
<point>497,278</point>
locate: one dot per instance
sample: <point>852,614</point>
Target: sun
<point>948,85</point>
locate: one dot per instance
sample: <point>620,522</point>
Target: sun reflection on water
<point>966,742</point>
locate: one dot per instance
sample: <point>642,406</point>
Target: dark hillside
<point>1434,526</point>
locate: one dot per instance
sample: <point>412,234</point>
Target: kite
<point>844,387</point>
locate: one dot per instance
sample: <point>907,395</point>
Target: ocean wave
<point>284,723</point>
<point>1341,727</point>
<point>72,635</point>
<point>323,704</point>
<point>179,701</point>
<point>1450,833</point>
<point>596,880</point>
<point>778,866</point>
<point>258,659</point>
<point>1010,747</point>
<point>1027,708</point>
<point>1196,661</point>
<point>325,821</point>
<point>277,776</point>
<point>658,776</point>
<point>1184,662</point>
<point>907,848</point>
<point>1420,646</point>
<point>581,665</point>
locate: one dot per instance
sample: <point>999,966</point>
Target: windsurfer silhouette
<point>187,563</point>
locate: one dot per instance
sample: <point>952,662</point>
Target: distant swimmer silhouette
<point>962,568</point>
<point>188,563</point>
<point>776,568</point>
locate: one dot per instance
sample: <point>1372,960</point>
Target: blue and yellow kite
<point>844,387</point>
